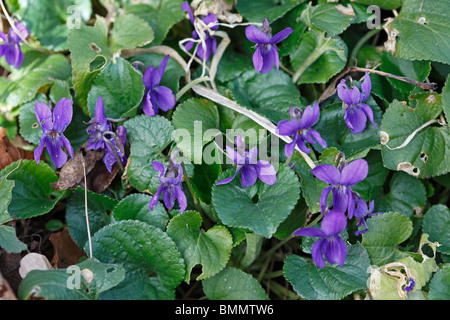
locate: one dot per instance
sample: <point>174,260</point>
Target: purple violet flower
<point>266,53</point>
<point>156,97</point>
<point>341,180</point>
<point>117,142</point>
<point>300,127</point>
<point>170,187</point>
<point>250,169</point>
<point>101,136</point>
<point>330,243</point>
<point>97,127</point>
<point>11,46</point>
<point>210,41</point>
<point>357,112</point>
<point>53,125</point>
<point>361,213</point>
<point>410,285</point>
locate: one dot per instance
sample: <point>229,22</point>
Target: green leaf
<point>318,58</point>
<point>446,98</point>
<point>211,249</point>
<point>124,35</point>
<point>423,31</point>
<point>192,119</point>
<point>60,89</point>
<point>50,21</point>
<point>84,281</point>
<point>30,129</point>
<point>426,154</point>
<point>144,251</point>
<point>233,284</point>
<point>98,207</point>
<point>375,179</point>
<point>389,282</point>
<point>105,276</point>
<point>269,94</point>
<point>32,194</point>
<point>136,207</point>
<point>334,131</point>
<point>406,195</point>
<point>440,284</point>
<point>311,186</point>
<point>9,241</point>
<point>386,232</point>
<point>384,4</point>
<point>90,53</point>
<point>148,137</point>
<point>37,70</point>
<point>50,285</point>
<point>232,65</point>
<point>6,188</point>
<point>331,282</point>
<point>121,88</point>
<point>260,208</point>
<point>327,18</point>
<point>294,221</point>
<point>291,19</point>
<point>256,11</point>
<point>414,70</point>
<point>436,224</point>
<point>252,248</point>
<point>161,16</point>
<point>204,177</point>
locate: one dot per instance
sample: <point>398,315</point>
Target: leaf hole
<point>427,250</point>
<point>423,156</point>
<point>111,270</point>
<point>35,125</point>
<point>255,198</point>
<point>94,47</point>
<point>97,63</point>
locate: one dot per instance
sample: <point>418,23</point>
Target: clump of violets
<point>329,243</point>
<point>170,187</point>
<point>11,45</point>
<point>341,179</point>
<point>356,112</point>
<point>363,212</point>
<point>53,124</point>
<point>156,97</point>
<point>250,168</point>
<point>299,127</point>
<point>266,53</point>
<point>210,40</point>
<point>102,136</point>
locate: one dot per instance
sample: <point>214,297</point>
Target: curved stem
<point>119,161</point>
<point>363,40</point>
<point>189,86</point>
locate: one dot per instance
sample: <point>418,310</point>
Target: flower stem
<point>119,162</point>
<point>363,40</point>
<point>313,56</point>
<point>189,86</point>
<point>194,196</point>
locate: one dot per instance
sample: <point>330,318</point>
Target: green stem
<point>315,221</point>
<point>283,292</point>
<point>194,196</point>
<point>318,51</point>
<point>189,86</point>
<point>269,252</point>
<point>363,40</point>
<point>119,162</point>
